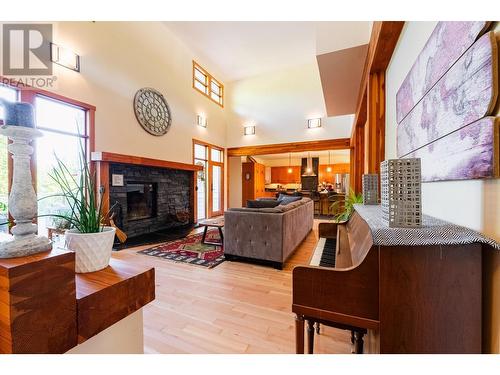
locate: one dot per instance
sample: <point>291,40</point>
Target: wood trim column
<point>103,184</point>
<point>376,121</point>
<point>357,159</point>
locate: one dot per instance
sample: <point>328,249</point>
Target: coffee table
<point>214,223</point>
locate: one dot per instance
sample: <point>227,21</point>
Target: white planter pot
<point>92,250</point>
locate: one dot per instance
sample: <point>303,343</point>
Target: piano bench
<point>357,334</point>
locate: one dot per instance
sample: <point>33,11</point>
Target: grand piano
<point>407,290</point>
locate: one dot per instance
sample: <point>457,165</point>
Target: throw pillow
<point>267,203</point>
<point>287,200</point>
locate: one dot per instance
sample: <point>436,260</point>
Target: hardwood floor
<point>232,308</point>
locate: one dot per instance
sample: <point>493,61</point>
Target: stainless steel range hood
<point>309,171</point>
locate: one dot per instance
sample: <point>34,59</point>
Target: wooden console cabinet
<point>45,308</point>
<point>38,306</point>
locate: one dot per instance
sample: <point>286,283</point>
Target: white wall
<point>279,104</point>
<point>473,203</point>
<point>117,59</point>
<point>234,182</point>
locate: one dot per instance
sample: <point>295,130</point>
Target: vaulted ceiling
<point>238,50</point>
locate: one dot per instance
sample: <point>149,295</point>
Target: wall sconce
<point>64,57</point>
<point>249,130</point>
<point>201,121</point>
<point>314,123</point>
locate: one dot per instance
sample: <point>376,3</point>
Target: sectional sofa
<point>268,235</point>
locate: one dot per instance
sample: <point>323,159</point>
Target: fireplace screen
<point>141,200</point>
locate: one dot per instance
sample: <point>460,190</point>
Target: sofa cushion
<point>288,199</point>
<point>267,203</point>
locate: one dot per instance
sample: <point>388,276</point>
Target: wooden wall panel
<point>280,175</point>
<point>468,153</point>
<point>447,43</point>
<point>330,176</point>
<point>466,93</point>
<point>430,299</point>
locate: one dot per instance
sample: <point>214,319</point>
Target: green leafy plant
<point>85,212</point>
<point>347,206</point>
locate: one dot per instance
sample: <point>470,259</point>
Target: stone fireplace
<point>146,195</point>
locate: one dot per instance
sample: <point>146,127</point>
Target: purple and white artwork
<point>443,104</point>
<point>447,43</point>
<point>465,94</point>
<point>467,153</point>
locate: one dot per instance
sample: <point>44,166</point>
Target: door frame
<point>210,164</point>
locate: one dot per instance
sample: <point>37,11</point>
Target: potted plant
<point>88,236</point>
<point>346,205</point>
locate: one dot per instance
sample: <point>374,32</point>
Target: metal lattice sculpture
<point>401,192</point>
<point>152,111</point>
<point>370,189</point>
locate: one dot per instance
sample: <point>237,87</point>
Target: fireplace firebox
<point>141,200</point>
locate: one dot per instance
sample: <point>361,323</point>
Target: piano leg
<point>310,336</point>
<point>358,342</point>
<point>299,334</point>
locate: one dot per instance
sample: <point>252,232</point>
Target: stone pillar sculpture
<point>22,197</point>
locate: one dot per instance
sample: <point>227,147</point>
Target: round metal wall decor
<point>152,111</point>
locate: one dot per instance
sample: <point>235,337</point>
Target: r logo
<point>26,49</point>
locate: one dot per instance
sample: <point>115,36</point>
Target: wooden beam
<point>370,110</point>
<point>329,144</point>
<point>383,40</point>
<point>138,160</point>
<point>375,139</point>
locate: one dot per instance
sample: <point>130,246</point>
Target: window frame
<point>208,85</point>
<point>28,94</point>
<point>210,163</point>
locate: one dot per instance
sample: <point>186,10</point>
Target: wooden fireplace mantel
<point>139,160</point>
<point>102,160</point>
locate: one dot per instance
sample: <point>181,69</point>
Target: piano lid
<point>433,231</point>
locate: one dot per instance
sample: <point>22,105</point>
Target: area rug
<point>190,250</point>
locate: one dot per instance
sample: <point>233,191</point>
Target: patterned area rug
<point>190,250</point>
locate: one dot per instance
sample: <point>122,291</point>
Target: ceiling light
<point>249,130</point>
<point>329,168</point>
<point>313,123</point>
<point>64,57</point>
<point>202,121</point>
